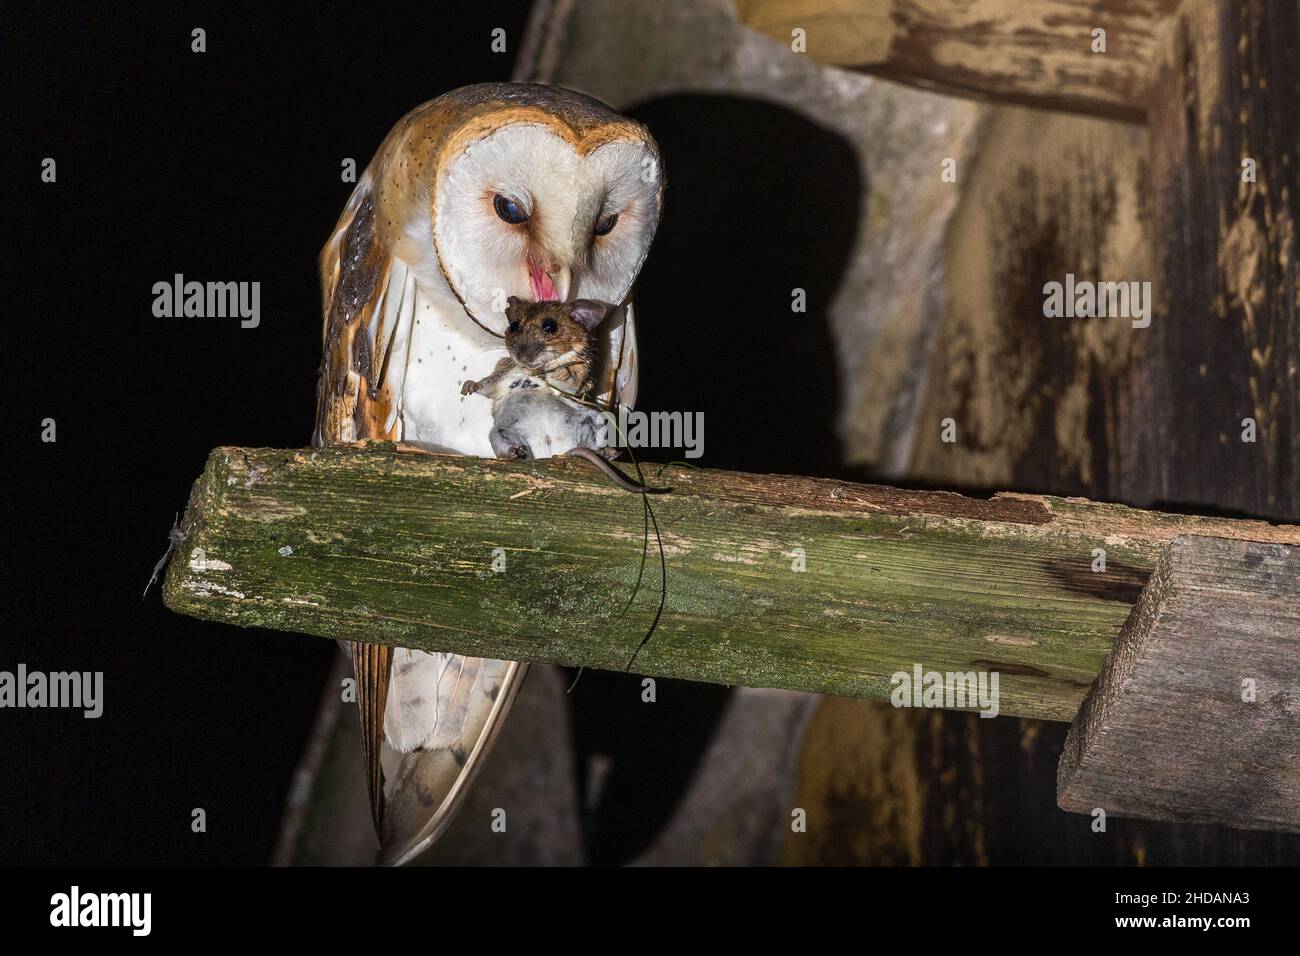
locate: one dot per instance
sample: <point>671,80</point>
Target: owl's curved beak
<point>562,279</point>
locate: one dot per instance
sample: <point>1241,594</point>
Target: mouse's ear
<point>588,313</point>
<point>513,302</point>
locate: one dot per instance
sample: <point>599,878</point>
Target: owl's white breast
<point>446,348</point>
<point>436,347</point>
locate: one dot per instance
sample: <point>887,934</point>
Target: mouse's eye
<point>605,224</point>
<point>514,326</point>
<point>548,326</point>
<point>509,210</point>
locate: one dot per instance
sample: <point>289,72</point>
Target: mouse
<point>538,390</point>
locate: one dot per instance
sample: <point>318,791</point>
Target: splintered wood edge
<point>1115,675</point>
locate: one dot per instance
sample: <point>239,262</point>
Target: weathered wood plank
<point>1196,716</point>
<point>1034,52</point>
<point>1224,195</point>
<point>397,547</point>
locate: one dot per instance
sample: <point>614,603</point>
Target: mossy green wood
<point>385,544</point>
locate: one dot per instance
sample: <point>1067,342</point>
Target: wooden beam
<point>1196,716</point>
<point>380,544</point>
<point>1033,52</point>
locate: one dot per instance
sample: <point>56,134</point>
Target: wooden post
<point>773,581</point>
<point>1196,717</point>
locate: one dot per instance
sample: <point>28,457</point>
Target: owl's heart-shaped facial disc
<point>523,211</point>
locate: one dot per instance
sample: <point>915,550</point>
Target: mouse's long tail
<point>616,476</point>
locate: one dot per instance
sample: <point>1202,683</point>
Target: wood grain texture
<point>1032,52</point>
<point>1166,734</point>
<point>396,547</point>
<point>1224,341</point>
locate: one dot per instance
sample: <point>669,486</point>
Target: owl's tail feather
<point>372,664</point>
<point>433,781</point>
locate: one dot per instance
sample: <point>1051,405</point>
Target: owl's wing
<point>472,696</point>
<point>368,300</point>
<point>449,706</point>
<point>618,375</point>
<point>371,666</point>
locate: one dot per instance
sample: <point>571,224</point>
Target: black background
<point>225,166</point>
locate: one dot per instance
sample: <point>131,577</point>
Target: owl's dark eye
<point>509,210</point>
<point>514,326</point>
<point>549,326</point>
<point>603,226</point>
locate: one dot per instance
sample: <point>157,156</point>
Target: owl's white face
<point>521,213</point>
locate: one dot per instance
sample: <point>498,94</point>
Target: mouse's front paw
<point>469,388</point>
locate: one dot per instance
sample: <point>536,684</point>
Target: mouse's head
<point>544,336</point>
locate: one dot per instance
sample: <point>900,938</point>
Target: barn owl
<point>486,192</point>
